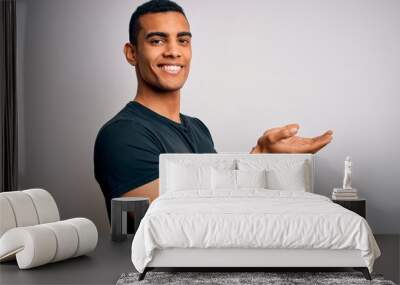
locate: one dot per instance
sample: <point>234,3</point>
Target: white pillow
<point>251,178</point>
<point>188,177</point>
<point>282,174</point>
<point>229,179</point>
<point>223,179</point>
<point>293,178</point>
<point>193,174</point>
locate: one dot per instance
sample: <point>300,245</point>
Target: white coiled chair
<point>31,230</point>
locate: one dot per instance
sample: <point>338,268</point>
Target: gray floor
<point>389,262</point>
<point>110,260</point>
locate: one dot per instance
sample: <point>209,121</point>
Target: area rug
<point>269,278</point>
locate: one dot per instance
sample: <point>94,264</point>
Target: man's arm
<point>284,140</point>
<point>149,190</point>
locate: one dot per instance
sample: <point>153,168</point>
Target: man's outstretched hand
<point>284,140</point>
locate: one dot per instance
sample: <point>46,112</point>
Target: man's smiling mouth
<point>170,68</point>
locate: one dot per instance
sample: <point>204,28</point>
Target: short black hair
<point>153,6</point>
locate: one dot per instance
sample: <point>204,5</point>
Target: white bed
<point>201,226</point>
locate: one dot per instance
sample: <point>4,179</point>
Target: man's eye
<point>156,42</point>
<point>185,41</point>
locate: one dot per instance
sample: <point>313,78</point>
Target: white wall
<point>256,65</point>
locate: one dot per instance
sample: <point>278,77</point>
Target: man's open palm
<point>284,140</point>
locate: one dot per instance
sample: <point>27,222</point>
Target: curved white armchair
<point>31,232</point>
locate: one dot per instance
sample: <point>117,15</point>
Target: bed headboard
<point>165,158</point>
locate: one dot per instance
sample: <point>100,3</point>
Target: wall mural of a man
<point>128,146</point>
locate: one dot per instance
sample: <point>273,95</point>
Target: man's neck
<point>166,104</point>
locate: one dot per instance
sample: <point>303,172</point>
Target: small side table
<point>119,209</point>
<point>358,206</point>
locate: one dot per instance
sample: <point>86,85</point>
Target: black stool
<point>119,209</point>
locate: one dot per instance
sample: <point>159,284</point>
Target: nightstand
<point>358,206</point>
<point>119,208</point>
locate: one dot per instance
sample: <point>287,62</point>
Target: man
<point>128,146</point>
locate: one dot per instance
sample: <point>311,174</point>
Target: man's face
<point>163,50</point>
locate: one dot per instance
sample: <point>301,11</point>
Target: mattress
<point>250,218</point>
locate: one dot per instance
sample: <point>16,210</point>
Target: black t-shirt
<point>127,148</point>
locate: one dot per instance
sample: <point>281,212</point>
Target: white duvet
<point>250,218</point>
